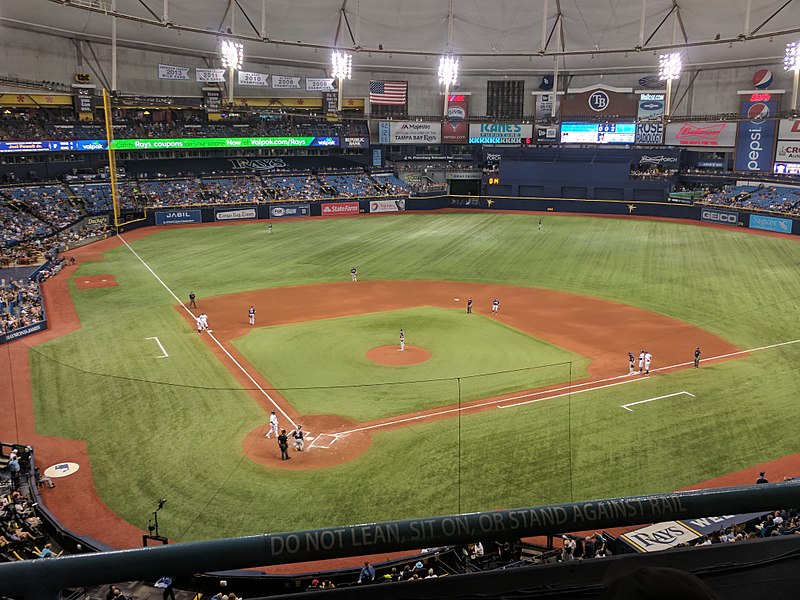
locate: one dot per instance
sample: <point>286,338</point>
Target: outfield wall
<point>720,215</point>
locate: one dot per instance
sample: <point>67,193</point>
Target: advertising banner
<point>787,151</point>
<point>599,101</point>
<point>500,133</point>
<point>95,221</point>
<point>281,82</point>
<point>255,79</point>
<point>209,75</point>
<point>455,130</point>
<point>701,133</point>
<point>212,99</point>
<point>546,135</point>
<point>756,137</point>
<point>770,224</point>
<point>315,84</point>
<point>660,536</point>
<point>649,133</point>
<point>789,129</point>
<point>289,210</point>
<point>411,132</point>
<point>178,217</point>
<point>237,214</point>
<point>339,208</point>
<point>708,525</point>
<point>173,72</point>
<point>651,107</point>
<point>667,159</point>
<point>255,142</point>
<point>355,142</point>
<point>382,206</point>
<point>782,168</point>
<point>725,217</point>
<point>54,146</point>
<point>23,332</point>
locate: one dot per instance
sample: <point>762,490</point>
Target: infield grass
<point>490,358</point>
<point>174,427</point>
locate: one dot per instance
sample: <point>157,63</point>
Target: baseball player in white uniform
<point>273,425</point>
<point>199,319</point>
<point>204,321</point>
<point>495,306</point>
<point>402,341</point>
<point>647,358</point>
<point>641,361</point>
<point>354,274</point>
<point>251,315</point>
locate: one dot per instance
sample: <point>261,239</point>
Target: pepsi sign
<point>762,79</point>
<point>755,139</point>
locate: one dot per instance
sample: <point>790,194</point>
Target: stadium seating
<point>761,197</point>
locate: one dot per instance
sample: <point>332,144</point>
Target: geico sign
<point>719,217</point>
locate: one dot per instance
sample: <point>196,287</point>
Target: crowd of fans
<point>21,533</point>
<point>26,128</point>
<point>20,304</point>
<point>761,197</point>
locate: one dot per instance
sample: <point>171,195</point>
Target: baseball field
<point>532,406</point>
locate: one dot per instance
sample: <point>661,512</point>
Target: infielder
<point>697,357</point>
<point>204,321</point>
<point>354,274</point>
<point>273,425</point>
<point>251,314</point>
<point>469,306</point>
<point>495,306</point>
<point>641,361</point>
<point>199,319</point>
<point>647,358</point>
<point>402,341</point>
<point>631,361</point>
<point>297,434</point>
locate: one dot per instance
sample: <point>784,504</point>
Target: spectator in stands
<point>367,574</point>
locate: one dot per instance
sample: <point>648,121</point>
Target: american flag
<point>388,92</point>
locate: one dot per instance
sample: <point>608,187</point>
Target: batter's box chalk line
<point>326,440</point>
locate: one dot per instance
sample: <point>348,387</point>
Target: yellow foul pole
<point>112,161</point>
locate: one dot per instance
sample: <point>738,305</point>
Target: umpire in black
<point>283,444</point>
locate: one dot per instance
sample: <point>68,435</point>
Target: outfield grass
<point>174,427</point>
<point>465,346</point>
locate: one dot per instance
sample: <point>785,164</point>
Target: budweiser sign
<point>701,134</point>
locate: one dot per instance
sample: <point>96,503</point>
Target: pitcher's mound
<point>391,355</point>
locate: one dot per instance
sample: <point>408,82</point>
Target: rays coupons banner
<point>455,130</point>
<point>756,137</point>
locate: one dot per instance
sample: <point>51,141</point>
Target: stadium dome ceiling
<point>492,37</point>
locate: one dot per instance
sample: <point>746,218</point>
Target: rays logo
<point>758,112</point>
<point>598,101</point>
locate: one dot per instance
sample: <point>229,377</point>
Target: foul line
<point>570,389</point>
<point>225,350</point>
<point>625,406</point>
<point>160,345</point>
